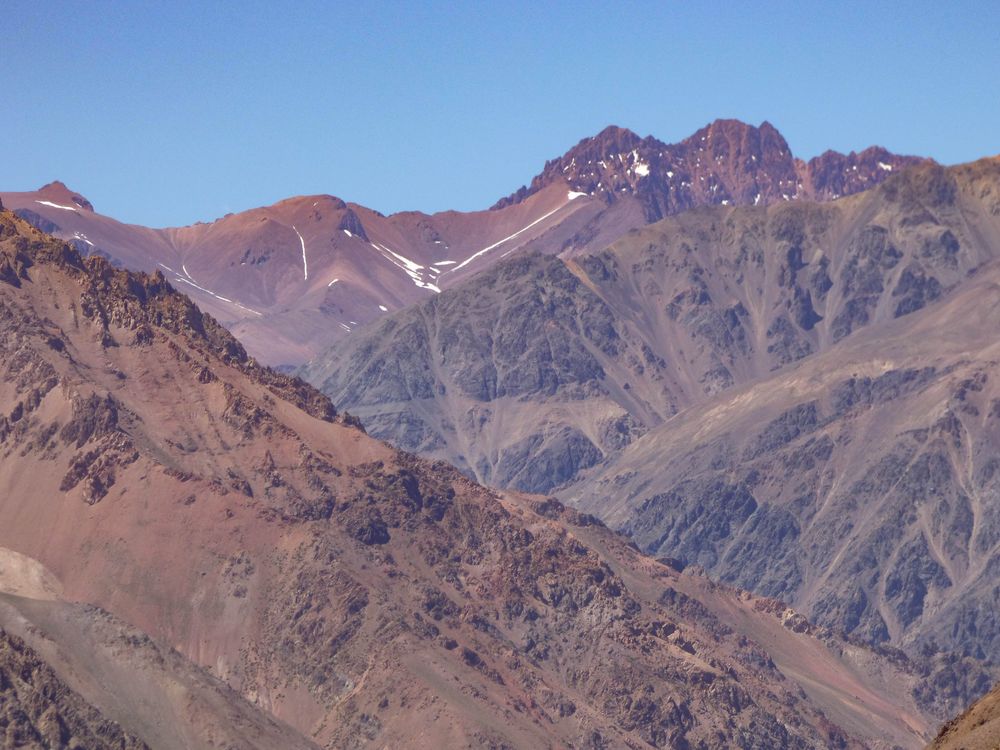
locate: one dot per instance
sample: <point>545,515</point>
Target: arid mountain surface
<point>208,555</point>
<point>798,398</point>
<point>290,279</point>
<point>38,710</point>
<point>978,728</point>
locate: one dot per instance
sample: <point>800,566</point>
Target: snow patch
<point>505,239</point>
<point>414,270</point>
<point>884,166</point>
<point>573,195</point>
<point>383,308</point>
<point>217,296</point>
<point>444,263</point>
<point>332,282</point>
<point>642,169</point>
<point>50,204</point>
<point>305,263</point>
<point>348,233</point>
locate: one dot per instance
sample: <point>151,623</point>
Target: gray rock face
<point>798,399</point>
<point>535,371</point>
<point>861,485</point>
<point>440,378</point>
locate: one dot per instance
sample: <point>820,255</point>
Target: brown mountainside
<point>155,475</point>
<point>978,728</point>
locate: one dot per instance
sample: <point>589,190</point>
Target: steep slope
<point>365,597</point>
<point>292,278</point>
<point>38,710</point>
<point>978,728</point>
<point>858,485</point>
<point>540,368</point>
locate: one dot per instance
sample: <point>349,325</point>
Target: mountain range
<point>752,396</point>
<point>293,278</point>
<point>197,551</point>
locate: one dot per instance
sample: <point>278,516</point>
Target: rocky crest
<point>725,163</point>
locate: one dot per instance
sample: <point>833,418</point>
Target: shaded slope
<point>858,484</point>
<point>540,368</point>
<point>361,595</point>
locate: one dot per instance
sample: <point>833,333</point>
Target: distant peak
<point>612,139</point>
<point>764,137</point>
<point>57,192</point>
<point>726,162</point>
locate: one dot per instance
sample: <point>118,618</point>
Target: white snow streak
<point>413,270</point>
<point>573,195</point>
<point>348,233</point>
<point>886,167</point>
<point>305,263</point>
<point>444,263</point>
<point>383,308</point>
<point>505,239</point>
<point>333,282</point>
<point>217,296</point>
<point>56,205</point>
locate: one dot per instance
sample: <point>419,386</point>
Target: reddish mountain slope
<point>291,278</point>
<point>361,595</point>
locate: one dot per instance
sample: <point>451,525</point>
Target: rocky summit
<point>727,162</point>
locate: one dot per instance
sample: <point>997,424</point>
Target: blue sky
<point>169,113</point>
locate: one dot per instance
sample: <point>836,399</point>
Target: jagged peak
<point>726,162</point>
<point>610,140</point>
<point>764,138</point>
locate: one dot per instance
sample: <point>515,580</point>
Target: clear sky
<point>164,113</point>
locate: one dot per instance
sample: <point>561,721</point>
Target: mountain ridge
<point>293,277</point>
<point>727,162</point>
